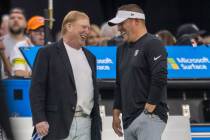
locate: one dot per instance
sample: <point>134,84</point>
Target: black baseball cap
<point>189,29</point>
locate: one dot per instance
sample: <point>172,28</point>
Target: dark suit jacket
<point>53,93</point>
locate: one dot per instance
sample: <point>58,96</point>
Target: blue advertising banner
<point>106,61</point>
<point>184,62</point>
<point>187,62</point>
<point>29,53</point>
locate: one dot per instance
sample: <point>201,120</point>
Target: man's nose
<point>87,30</point>
<point>16,19</point>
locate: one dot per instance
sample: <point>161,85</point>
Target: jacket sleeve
<point>117,93</point>
<point>39,86</point>
<point>157,60</point>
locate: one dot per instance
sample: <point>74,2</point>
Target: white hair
<point>109,31</point>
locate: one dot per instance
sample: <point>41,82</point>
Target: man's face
<point>93,38</point>
<point>125,29</point>
<point>79,31</point>
<point>17,23</point>
<point>37,36</point>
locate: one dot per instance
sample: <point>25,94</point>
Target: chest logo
<point>136,52</point>
<point>156,58</point>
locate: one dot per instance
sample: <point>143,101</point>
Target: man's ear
<point>69,27</point>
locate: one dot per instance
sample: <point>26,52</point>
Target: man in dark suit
<point>63,94</point>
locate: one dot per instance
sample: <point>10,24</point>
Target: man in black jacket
<point>141,78</point>
<point>63,94</point>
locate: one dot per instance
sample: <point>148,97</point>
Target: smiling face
<point>126,29</point>
<point>79,30</point>
<point>130,21</point>
<point>75,29</point>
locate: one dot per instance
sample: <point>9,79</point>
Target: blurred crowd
<point>16,31</point>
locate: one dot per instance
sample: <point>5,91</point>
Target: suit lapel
<point>65,59</point>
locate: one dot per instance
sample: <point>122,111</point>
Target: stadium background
<point>161,14</point>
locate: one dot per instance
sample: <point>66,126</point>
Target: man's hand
<point>116,124</point>
<point>149,107</point>
<point>7,65</point>
<point>42,128</point>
